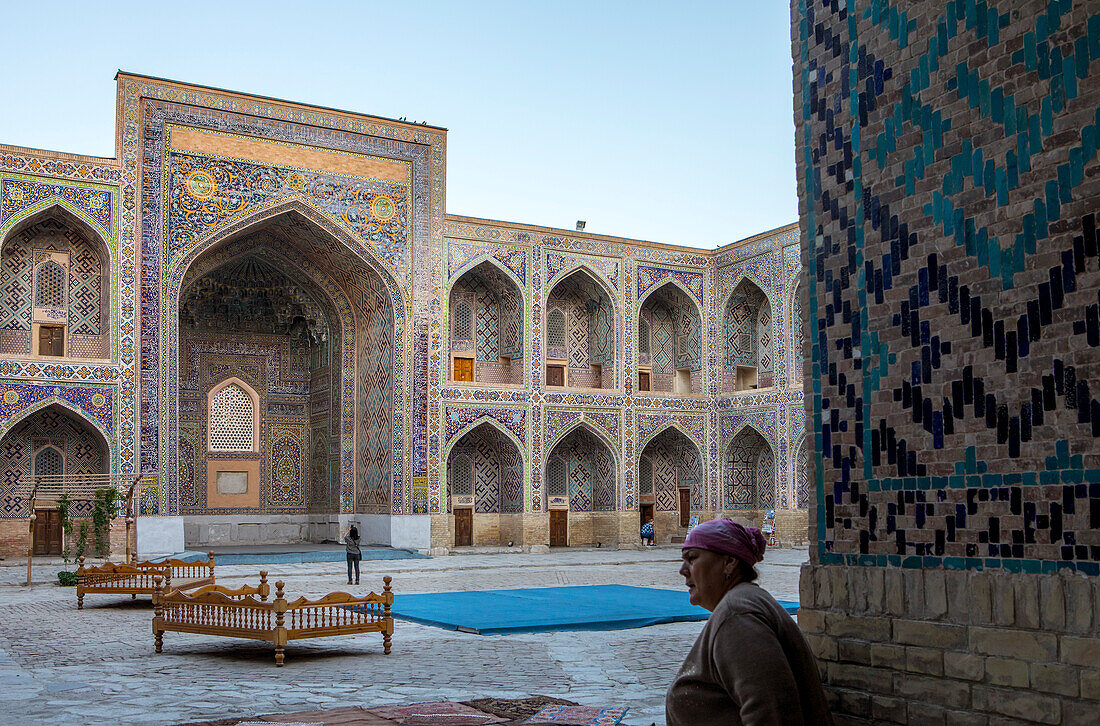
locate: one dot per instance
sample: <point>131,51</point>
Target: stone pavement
<point>59,665</point>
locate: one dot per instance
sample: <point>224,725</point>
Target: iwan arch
<point>265,309</point>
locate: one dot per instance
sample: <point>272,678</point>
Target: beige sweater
<point>750,665</point>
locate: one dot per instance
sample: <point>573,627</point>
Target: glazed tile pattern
<point>948,170</point>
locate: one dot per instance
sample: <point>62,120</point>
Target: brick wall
<point>955,646</point>
<point>948,181</point>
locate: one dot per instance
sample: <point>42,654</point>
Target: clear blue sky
<point>663,121</point>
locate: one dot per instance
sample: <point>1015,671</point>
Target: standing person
<point>751,664</point>
<point>351,544</point>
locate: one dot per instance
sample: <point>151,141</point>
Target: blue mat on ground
<point>280,558</point>
<point>544,609</point>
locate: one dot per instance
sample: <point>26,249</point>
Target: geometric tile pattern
<point>748,472</point>
<point>947,169</point>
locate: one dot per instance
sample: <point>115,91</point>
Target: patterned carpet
<point>480,712</point>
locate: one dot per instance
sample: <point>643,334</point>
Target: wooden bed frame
<point>219,611</point>
<point>137,578</point>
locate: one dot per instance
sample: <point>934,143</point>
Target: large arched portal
<point>485,481</point>
<point>286,386</point>
<point>670,483</point>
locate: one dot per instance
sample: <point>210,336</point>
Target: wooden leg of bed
<point>133,596</point>
<point>79,601</point>
<point>280,654</point>
<point>386,643</point>
<point>159,640</point>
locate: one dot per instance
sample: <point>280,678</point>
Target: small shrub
<point>66,578</point>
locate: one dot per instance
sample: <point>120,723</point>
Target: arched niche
<point>485,327</point>
<point>288,303</point>
<point>748,472</point>
<point>585,358</point>
<point>673,466</point>
<point>485,471</point>
<point>55,271</point>
<point>670,342</point>
<point>748,339</point>
<point>587,473</point>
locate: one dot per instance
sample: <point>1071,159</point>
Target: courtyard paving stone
<point>60,665</point>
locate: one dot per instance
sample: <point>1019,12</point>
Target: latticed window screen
<point>464,322</point>
<point>231,420</point>
<point>643,336</point>
<point>49,286</point>
<point>48,462</point>
<point>556,474</point>
<point>462,476</point>
<point>555,329</point>
<point>645,476</point>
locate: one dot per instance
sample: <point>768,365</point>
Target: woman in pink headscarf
<point>751,664</point>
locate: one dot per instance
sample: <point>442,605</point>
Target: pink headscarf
<point>727,537</point>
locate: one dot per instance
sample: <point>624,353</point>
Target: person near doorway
<point>351,544</point>
<point>751,663</point>
<point>647,533</point>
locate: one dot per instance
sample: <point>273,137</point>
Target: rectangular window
<point>51,340</point>
<point>643,381</point>
<point>555,375</point>
<point>683,381</point>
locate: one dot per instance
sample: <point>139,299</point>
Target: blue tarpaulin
<point>543,609</point>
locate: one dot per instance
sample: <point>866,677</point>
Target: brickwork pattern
<point>948,178</point>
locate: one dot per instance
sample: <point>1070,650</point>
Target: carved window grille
<point>462,476</point>
<point>556,474</point>
<point>643,337</point>
<point>232,420</point>
<point>645,476</point>
<point>49,462</point>
<point>555,329</point>
<point>464,322</point>
<point>49,287</point>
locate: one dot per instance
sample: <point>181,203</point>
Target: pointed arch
<point>595,275</point>
<point>752,280</point>
<point>462,432</point>
<point>747,425</point>
<point>675,283</point>
<point>665,427</point>
<point>594,430</point>
<point>7,426</point>
<point>475,262</point>
<point>68,214</point>
<point>337,240</point>
<point>253,396</point>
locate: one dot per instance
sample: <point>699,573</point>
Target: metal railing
<point>43,490</point>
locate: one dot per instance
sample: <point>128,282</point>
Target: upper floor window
<point>464,322</point>
<point>49,285</point>
<point>555,329</point>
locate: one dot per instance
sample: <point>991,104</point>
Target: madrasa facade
<point>264,311</point>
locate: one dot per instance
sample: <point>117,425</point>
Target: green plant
<point>104,508</point>
<point>66,578</point>
<point>81,540</point>
<point>64,508</point>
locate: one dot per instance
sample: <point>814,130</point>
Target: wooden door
<point>47,532</point>
<point>643,381</point>
<point>647,514</point>
<point>464,370</point>
<point>51,340</point>
<point>559,528</point>
<point>464,527</point>
<point>555,375</point>
<point>685,507</point>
